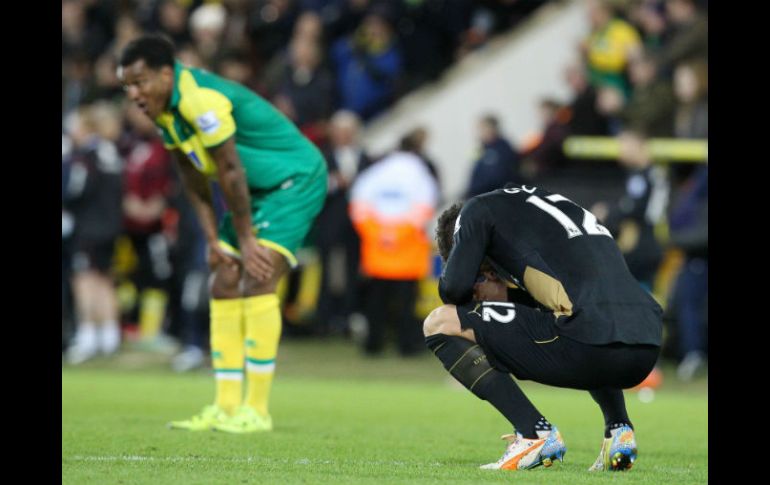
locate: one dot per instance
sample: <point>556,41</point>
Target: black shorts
<point>93,256</point>
<point>525,342</point>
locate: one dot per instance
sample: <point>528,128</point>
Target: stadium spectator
<point>309,26</point>
<point>269,28</point>
<point>86,27</point>
<point>477,33</point>
<point>391,202</point>
<point>610,104</point>
<point>106,84</point>
<point>147,186</point>
<point>585,119</point>
<point>172,18</point>
<point>307,29</point>
<point>93,199</point>
<point>188,307</point>
<point>127,28</point>
<point>67,229</point>
<point>207,28</point>
<point>499,160</point>
<point>340,17</point>
<point>368,65</point>
<point>546,154</point>
<point>651,106</point>
<point>488,18</point>
<point>77,82</point>
<point>414,142</point>
<point>649,16</point>
<point>336,239</point>
<point>692,110</point>
<point>73,27</point>
<point>611,44</point>
<point>305,93</point>
<point>691,118</point>
<point>432,29</point>
<point>189,56</point>
<point>633,218</point>
<point>234,65</point>
<point>688,37</point>
<point>689,232</point>
<point>235,37</point>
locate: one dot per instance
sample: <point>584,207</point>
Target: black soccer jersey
<point>556,251</point>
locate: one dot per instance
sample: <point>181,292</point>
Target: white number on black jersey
<point>589,223</point>
<point>488,312</point>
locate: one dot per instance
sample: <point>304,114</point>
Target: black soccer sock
<point>613,408</point>
<point>543,425</point>
<point>467,363</point>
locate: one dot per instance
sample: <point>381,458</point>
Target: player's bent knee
<point>253,287</point>
<point>442,320</point>
<point>225,282</point>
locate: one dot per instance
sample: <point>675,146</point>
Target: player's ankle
<point>612,428</point>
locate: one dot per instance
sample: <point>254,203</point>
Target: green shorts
<point>281,218</point>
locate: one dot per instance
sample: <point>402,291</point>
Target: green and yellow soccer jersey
<point>205,110</point>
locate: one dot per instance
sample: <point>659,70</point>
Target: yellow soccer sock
<point>152,310</point>
<point>227,352</point>
<point>262,315</point>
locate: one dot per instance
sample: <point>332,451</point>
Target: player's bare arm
<point>199,193</point>
<point>232,178</point>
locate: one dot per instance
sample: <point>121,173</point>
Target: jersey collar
<point>174,101</point>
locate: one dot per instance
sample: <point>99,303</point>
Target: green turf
<point>343,419</point>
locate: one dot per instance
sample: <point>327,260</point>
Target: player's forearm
<point>232,180</point>
<point>456,283</point>
<point>198,193</point>
<point>204,209</point>
<point>451,293</point>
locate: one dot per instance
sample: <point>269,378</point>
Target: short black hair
<point>155,50</point>
<point>445,229</point>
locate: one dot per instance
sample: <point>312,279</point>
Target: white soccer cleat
<point>525,453</point>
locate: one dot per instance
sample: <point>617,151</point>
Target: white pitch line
<point>285,461</point>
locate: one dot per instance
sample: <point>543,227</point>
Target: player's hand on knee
<point>256,259</point>
<point>217,256</point>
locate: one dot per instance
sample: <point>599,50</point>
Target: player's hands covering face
<point>489,287</point>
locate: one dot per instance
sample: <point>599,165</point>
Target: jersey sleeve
<point>207,110</point>
<point>471,237</point>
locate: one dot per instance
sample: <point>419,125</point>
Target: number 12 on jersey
<point>590,224</point>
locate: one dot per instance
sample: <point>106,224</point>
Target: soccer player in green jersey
<point>274,183</point>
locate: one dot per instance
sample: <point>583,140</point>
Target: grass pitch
<point>340,418</point>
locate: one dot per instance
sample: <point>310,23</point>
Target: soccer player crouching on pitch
<point>564,311</point>
<point>274,183</point>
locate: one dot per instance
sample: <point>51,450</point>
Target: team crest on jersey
<point>208,122</point>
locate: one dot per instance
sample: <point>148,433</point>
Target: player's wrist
<point>245,237</point>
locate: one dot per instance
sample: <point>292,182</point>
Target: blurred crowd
<point>133,259</point>
<point>309,57</point>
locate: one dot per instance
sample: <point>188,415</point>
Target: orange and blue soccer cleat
<point>618,453</point>
<point>525,453</point>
